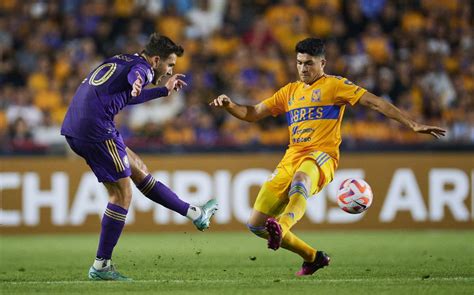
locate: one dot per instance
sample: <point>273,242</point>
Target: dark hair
<point>162,46</point>
<point>311,46</point>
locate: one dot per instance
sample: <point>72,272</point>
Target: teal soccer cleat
<point>107,274</point>
<point>207,211</point>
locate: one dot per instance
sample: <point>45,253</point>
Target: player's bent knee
<point>259,231</point>
<point>139,172</point>
<point>123,202</point>
<point>120,192</point>
<point>301,177</point>
<point>140,165</point>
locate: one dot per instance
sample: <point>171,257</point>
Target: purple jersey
<point>105,91</point>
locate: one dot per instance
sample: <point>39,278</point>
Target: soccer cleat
<point>207,211</point>
<point>274,233</point>
<point>107,274</point>
<point>308,268</point>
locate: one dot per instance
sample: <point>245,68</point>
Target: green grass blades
<point>362,262</point>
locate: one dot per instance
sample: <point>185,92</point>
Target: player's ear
<point>323,62</point>
<point>156,60</point>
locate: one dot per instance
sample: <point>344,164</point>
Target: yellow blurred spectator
<point>315,4</point>
<point>442,5</point>
<point>379,131</point>
<point>222,44</point>
<point>272,63</point>
<point>8,5</point>
<point>240,132</point>
<point>377,44</point>
<point>3,121</point>
<point>413,21</point>
<point>468,79</point>
<point>297,30</point>
<point>48,99</point>
<point>123,8</point>
<point>171,26</point>
<point>38,81</point>
<point>416,97</point>
<point>62,67</point>
<point>321,26</point>
<point>277,135</point>
<point>177,132</point>
<point>419,57</point>
<point>281,17</point>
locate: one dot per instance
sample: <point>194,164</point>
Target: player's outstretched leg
<point>161,194</point>
<point>308,268</point>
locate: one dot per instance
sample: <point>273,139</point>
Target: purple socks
<point>161,194</point>
<point>112,225</point>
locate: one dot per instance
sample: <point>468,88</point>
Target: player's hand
<point>222,101</point>
<point>175,83</point>
<point>137,85</point>
<point>432,130</point>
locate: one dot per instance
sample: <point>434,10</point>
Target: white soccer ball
<point>354,196</point>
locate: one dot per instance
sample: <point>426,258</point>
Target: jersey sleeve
<point>347,92</point>
<point>143,71</point>
<point>277,102</point>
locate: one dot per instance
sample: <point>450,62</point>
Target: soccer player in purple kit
<point>90,132</point>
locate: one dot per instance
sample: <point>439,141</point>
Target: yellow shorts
<point>273,196</point>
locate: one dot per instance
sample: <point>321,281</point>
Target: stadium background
<point>416,239</point>
<point>416,54</point>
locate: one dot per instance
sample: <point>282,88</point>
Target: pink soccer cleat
<point>274,233</point>
<point>308,268</point>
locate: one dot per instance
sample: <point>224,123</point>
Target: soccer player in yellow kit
<point>314,107</point>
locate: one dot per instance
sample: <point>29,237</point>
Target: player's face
<point>163,67</point>
<point>309,67</point>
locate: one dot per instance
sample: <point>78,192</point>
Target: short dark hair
<point>162,46</point>
<point>311,46</point>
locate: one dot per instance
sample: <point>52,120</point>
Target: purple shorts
<point>108,160</point>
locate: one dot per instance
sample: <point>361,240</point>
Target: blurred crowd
<point>418,54</point>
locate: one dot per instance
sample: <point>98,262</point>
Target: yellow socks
<point>293,213</point>
<point>295,209</point>
<point>294,244</point>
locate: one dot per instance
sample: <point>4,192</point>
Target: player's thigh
<point>273,196</point>
<point>138,167</point>
<point>320,168</point>
<point>308,174</point>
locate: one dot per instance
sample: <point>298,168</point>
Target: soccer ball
<point>354,196</point>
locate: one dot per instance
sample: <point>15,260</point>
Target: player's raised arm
<point>249,113</point>
<point>389,110</point>
<point>144,95</point>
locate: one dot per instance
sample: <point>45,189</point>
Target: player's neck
<point>145,57</point>
<point>314,81</point>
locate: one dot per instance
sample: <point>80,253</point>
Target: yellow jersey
<point>314,113</point>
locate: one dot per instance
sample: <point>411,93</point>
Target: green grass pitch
<point>363,262</point>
